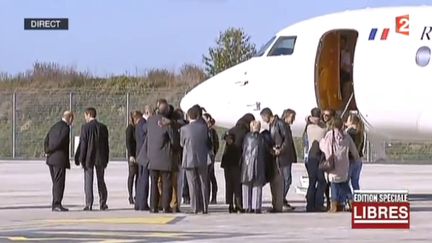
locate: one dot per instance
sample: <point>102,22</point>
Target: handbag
<point>328,164</point>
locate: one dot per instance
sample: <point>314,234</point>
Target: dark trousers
<point>317,185</point>
<point>198,188</point>
<point>142,188</point>
<point>212,182</point>
<point>327,191</point>
<point>185,186</point>
<point>58,177</point>
<point>233,190</point>
<point>277,189</point>
<point>88,185</point>
<point>166,189</point>
<point>132,178</point>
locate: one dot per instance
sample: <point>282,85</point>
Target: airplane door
<point>327,72</point>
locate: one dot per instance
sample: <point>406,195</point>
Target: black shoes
<point>288,206</point>
<point>167,210</point>
<point>131,200</point>
<point>273,210</point>
<point>88,208</point>
<point>316,210</point>
<point>102,208</point>
<point>231,209</point>
<point>59,209</point>
<point>239,210</point>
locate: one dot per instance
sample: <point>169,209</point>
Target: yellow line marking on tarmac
<point>147,220</point>
<point>45,239</point>
<point>117,241</point>
<point>18,238</point>
<point>120,233</point>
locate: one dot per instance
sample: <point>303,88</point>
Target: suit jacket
<point>93,148</point>
<point>130,141</point>
<point>194,140</point>
<point>56,145</point>
<point>158,144</point>
<point>282,138</point>
<point>140,134</point>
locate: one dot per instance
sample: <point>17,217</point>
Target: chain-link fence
<point>26,116</point>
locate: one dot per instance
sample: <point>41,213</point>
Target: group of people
<point>178,156</point>
<point>327,137</point>
<point>175,154</point>
<point>172,157</point>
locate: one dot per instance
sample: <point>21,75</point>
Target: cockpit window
<point>283,46</point>
<point>265,47</point>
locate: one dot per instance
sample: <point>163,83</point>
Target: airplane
<point>299,68</point>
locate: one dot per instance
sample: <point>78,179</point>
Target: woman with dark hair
<point>214,138</point>
<point>355,128</point>
<point>231,162</point>
<point>131,152</point>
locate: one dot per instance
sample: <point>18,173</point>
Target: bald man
<point>56,148</point>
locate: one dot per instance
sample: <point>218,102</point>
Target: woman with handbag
<point>336,145</point>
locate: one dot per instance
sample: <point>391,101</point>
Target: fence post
<point>14,125</point>
<point>127,119</point>
<point>368,150</point>
<point>71,138</point>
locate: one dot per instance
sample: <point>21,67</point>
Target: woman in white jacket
<point>338,143</point>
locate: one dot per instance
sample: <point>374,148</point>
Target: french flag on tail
<point>384,33</point>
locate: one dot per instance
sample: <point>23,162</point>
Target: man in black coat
<point>93,152</point>
<point>278,133</point>
<point>159,142</point>
<point>56,146</point>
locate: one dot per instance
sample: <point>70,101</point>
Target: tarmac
<point>25,212</point>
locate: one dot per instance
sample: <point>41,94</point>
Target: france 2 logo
<point>402,25</point>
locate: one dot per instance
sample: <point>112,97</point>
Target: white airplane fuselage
<point>391,73</point>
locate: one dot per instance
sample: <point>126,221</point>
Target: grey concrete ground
<point>25,213</point>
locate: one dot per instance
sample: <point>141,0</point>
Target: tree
<point>233,46</point>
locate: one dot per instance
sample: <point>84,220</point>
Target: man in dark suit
<point>93,152</point>
<point>159,142</point>
<point>143,172</point>
<point>56,146</point>
<point>195,142</point>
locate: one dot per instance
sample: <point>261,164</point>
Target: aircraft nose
<point>200,95</point>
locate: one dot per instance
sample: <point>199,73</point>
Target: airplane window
<point>283,46</point>
<point>265,47</point>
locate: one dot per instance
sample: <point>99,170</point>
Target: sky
<point>113,37</point>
